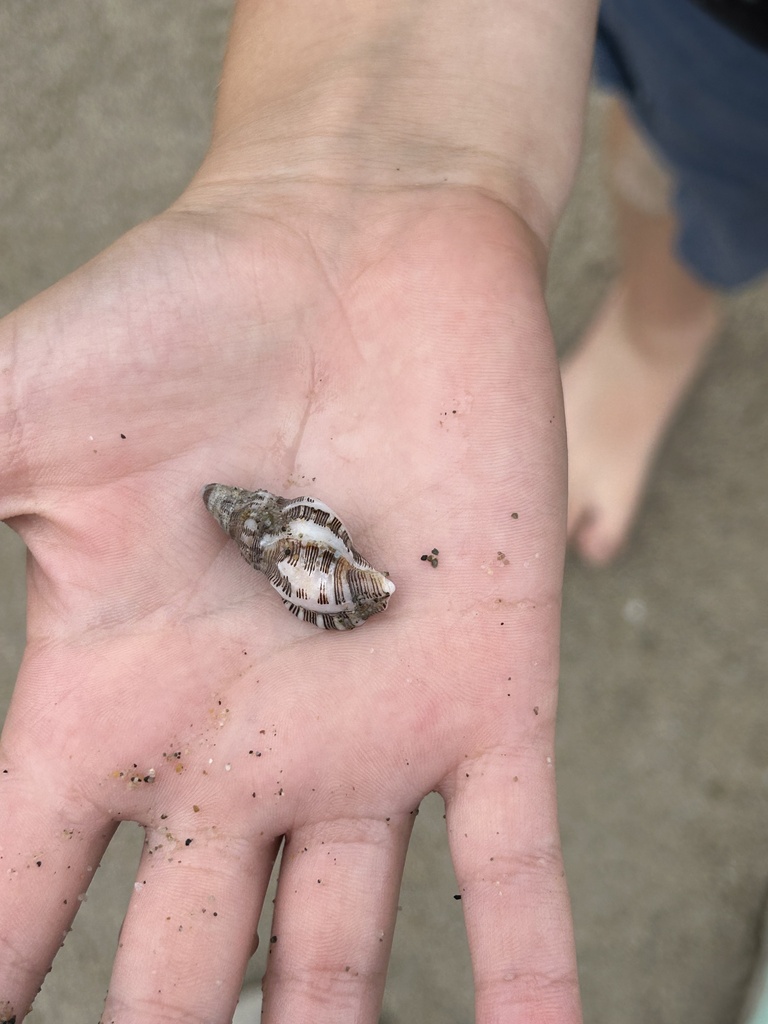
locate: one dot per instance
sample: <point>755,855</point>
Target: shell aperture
<point>305,551</point>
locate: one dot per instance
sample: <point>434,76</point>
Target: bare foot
<point>622,385</point>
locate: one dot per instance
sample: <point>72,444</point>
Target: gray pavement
<point>663,756</point>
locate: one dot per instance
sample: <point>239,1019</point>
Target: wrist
<point>403,96</point>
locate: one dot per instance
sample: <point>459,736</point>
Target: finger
<point>47,860</point>
<point>334,919</point>
<point>190,928</point>
<point>502,829</point>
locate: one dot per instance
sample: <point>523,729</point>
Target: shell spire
<point>305,551</point>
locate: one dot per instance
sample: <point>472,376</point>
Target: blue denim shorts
<point>699,92</point>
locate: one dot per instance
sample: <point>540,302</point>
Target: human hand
<point>409,381</point>
<point>346,302</point>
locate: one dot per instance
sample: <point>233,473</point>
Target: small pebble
<point>635,611</point>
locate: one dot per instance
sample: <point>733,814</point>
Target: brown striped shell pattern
<point>304,550</point>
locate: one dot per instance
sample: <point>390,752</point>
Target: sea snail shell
<point>304,550</point>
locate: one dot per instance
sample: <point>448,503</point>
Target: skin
<point>627,377</point>
<point>384,345</point>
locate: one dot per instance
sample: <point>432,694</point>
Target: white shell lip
<point>305,551</point>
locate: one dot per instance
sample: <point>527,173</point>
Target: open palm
<point>402,373</point>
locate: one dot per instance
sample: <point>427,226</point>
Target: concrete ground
<point>663,755</point>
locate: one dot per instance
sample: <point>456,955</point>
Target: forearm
<point>405,94</point>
